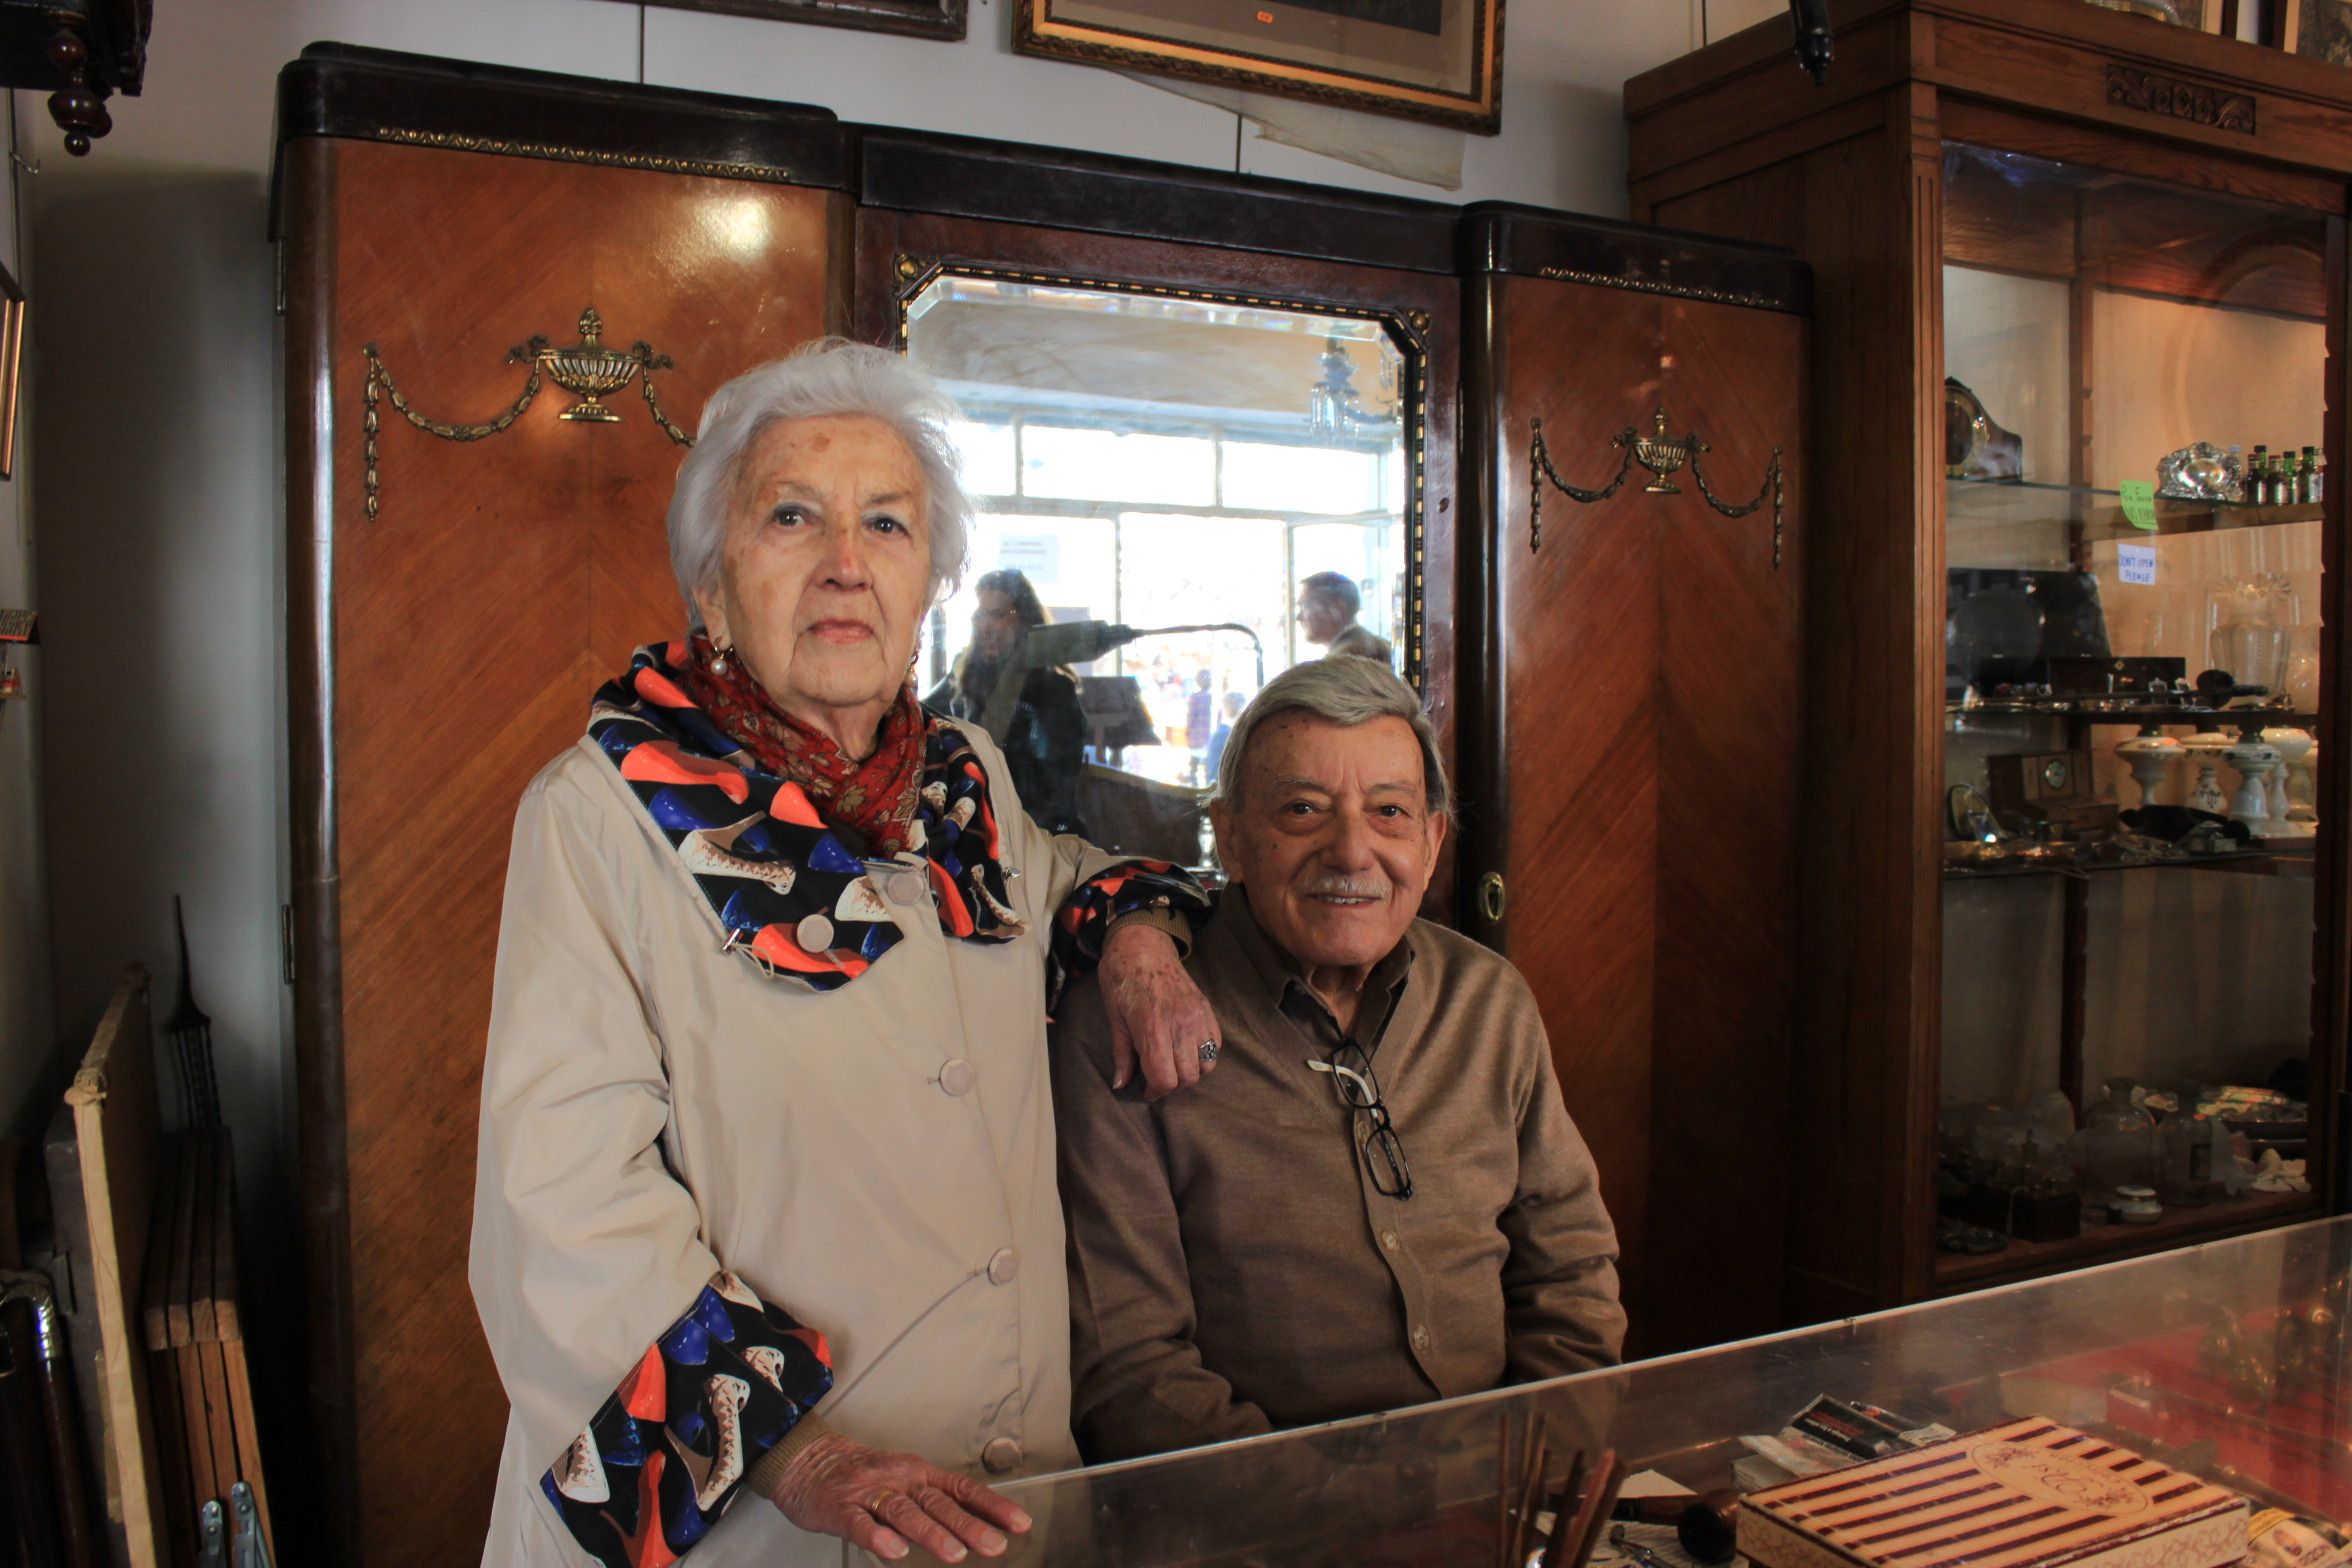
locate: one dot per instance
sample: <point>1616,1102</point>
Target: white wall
<point>160,690</point>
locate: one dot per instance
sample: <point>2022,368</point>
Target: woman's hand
<point>1159,1019</point>
<point>884,1501</point>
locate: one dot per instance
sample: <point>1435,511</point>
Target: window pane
<point>1300,478</point>
<point>985,454</point>
<point>1111,465</point>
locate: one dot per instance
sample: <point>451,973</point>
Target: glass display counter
<point>2228,1361</point>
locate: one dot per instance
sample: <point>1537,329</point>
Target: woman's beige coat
<point>877,1160</point>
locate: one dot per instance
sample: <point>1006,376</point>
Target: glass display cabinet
<point>2226,1361</point>
<point>2074,864</point>
<point>2135,379</point>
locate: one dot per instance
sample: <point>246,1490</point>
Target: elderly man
<point>1378,1198</point>
<point>1329,603</point>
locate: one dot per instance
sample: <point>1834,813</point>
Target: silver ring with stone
<point>1208,1052</point>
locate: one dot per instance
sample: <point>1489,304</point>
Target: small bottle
<point>2306,471</point>
<point>2258,476</point>
<point>2318,476</point>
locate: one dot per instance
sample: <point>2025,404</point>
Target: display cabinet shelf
<point>2226,718</point>
<point>2091,515</point>
<point>2023,1259</point>
<point>2287,858</point>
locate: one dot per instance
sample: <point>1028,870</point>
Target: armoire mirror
<point>1227,478</point>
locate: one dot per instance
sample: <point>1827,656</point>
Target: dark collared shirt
<point>1234,1266</point>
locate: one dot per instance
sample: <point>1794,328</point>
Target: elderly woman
<point>1031,712</point>
<point>766,1194</point>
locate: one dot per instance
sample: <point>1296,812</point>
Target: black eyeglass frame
<point>1358,1089</point>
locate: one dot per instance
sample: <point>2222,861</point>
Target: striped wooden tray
<point>2027,1494</point>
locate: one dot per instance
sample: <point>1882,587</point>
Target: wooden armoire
<point>466,564</point>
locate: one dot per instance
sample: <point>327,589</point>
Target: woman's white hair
<point>1348,690</point>
<point>827,377</point>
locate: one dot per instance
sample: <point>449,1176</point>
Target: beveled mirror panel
<point>1177,495</point>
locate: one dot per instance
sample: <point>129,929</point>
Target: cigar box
<point>2026,1494</point>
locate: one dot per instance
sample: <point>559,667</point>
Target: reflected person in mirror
<point>1380,1200</point>
<point>1030,710</point>
<point>1329,603</point>
<point>766,1244</point>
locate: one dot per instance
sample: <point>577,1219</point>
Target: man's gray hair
<point>1348,691</point>
<point>827,377</point>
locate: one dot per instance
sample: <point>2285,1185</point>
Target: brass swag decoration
<point>588,370</point>
<point>1664,455</point>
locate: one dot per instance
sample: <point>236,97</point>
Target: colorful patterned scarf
<point>874,799</point>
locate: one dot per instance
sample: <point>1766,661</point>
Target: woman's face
<point>996,625</point>
<point>827,564</point>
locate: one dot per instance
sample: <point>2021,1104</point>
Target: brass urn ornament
<point>587,369</point>
<point>1664,455</point>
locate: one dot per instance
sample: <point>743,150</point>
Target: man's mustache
<point>1346,887</point>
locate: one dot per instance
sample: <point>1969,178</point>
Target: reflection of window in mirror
<point>1235,473</point>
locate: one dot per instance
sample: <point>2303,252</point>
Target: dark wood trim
<point>2331,1003</point>
<point>1500,237</point>
<point>1708,103</point>
<point>342,90</point>
<point>309,271</point>
<point>1483,789</point>
<point>1087,193</point>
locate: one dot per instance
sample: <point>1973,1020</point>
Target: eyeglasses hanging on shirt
<point>1350,1072</point>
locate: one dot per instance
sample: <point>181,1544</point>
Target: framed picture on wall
<point>921,18</point>
<point>1439,60</point>
<point>2323,30</point>
<point>12,319</point>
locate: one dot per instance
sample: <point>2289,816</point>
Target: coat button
<point>814,934</point>
<point>904,887</point>
<point>1003,1267</point>
<point>958,1077</point>
<point>1421,1338</point>
<point>1001,1454</point>
<point>1388,1239</point>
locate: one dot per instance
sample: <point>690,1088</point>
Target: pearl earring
<point>718,662</point>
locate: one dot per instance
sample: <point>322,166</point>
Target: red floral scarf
<point>874,799</point>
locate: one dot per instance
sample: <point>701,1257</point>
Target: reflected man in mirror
<point>1329,603</point>
<point>1380,1199</point>
<point>1029,709</point>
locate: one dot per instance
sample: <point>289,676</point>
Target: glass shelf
<point>2169,717</point>
<point>2098,514</point>
<point>2286,857</point>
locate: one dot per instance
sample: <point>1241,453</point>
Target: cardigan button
<point>1001,1454</point>
<point>814,934</point>
<point>904,887</point>
<point>1003,1267</point>
<point>958,1077</point>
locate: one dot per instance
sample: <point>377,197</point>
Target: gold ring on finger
<point>879,1500</point>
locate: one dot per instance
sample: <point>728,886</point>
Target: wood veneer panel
<point>449,646</point>
<point>1652,711</point>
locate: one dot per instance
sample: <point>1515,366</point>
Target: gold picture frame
<point>1434,60</point>
<point>12,322</point>
<point>915,18</point>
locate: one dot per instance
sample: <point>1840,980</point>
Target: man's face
<point>1332,835</point>
<point>1320,618</point>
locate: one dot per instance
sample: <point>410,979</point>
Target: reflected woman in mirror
<point>1029,708</point>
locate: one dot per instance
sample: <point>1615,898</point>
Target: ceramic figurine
<point>2206,750</point>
